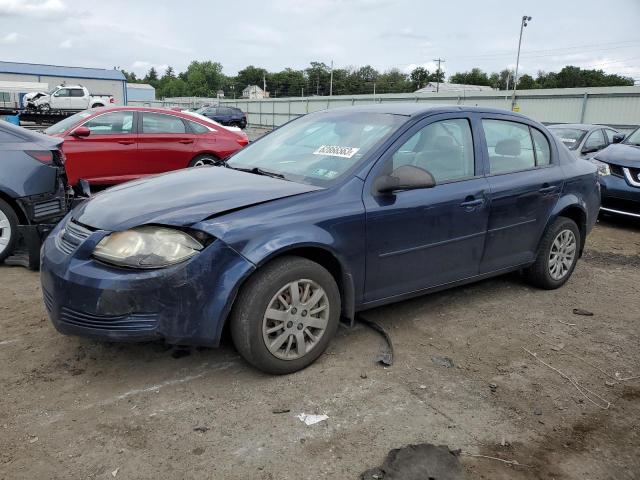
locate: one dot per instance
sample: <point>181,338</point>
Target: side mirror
<point>618,137</point>
<point>406,177</point>
<point>590,149</point>
<point>81,132</point>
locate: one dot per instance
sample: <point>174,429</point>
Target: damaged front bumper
<point>185,304</point>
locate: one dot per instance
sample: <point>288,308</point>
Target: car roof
<point>579,126</point>
<point>417,109</point>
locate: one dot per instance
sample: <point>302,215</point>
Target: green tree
<point>526,82</point>
<point>419,77</point>
<point>474,77</point>
<point>151,77</point>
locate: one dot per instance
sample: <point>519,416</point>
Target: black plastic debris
<point>418,462</point>
<point>579,311</point>
<point>385,357</point>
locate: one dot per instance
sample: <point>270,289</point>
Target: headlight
<point>603,168</point>
<point>147,247</point>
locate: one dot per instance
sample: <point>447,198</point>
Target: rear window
<point>571,137</point>
<point>197,128</point>
<point>160,123</point>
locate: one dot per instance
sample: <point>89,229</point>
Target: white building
<point>254,92</point>
<point>453,87</point>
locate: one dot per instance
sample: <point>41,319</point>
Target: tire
<point>45,108</point>
<point>203,160</point>
<point>542,273</point>
<point>8,230</point>
<point>251,325</point>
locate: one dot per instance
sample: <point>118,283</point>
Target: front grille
<point>115,323</point>
<point>47,209</point>
<point>71,236</point>
<point>48,300</point>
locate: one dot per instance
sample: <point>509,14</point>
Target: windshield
<point>64,125</point>
<point>318,148</point>
<point>633,138</point>
<point>571,137</point>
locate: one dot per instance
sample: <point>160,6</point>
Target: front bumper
<point>619,197</point>
<point>185,304</point>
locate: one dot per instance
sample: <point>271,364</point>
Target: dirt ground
<point>75,408</point>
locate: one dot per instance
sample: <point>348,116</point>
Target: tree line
<point>206,79</point>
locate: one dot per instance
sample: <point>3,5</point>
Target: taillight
<point>44,156</point>
<point>112,100</point>
<point>243,141</point>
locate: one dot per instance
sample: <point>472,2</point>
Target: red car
<point>106,146</point>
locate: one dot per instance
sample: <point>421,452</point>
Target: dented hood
<point>621,154</point>
<point>182,198</point>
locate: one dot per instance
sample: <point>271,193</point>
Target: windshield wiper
<point>258,171</point>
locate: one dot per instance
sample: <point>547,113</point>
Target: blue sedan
<point>334,213</point>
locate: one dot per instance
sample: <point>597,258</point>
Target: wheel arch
<point>20,213</point>
<point>571,207</point>
<point>324,256</point>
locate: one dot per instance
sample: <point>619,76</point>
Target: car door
<point>108,155</point>
<point>77,100</point>
<point>164,143</point>
<point>525,181</point>
<point>61,100</point>
<point>418,239</point>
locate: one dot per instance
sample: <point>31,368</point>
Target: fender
<point>569,201</point>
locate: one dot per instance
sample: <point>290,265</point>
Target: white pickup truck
<point>66,98</point>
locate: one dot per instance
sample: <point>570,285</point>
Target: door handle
<point>185,142</point>
<point>548,189</point>
<point>126,142</point>
<point>472,203</point>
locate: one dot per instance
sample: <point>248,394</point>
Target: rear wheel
<point>203,160</point>
<point>8,230</point>
<point>286,315</point>
<point>558,255</point>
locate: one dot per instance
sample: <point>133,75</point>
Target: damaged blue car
<point>331,214</point>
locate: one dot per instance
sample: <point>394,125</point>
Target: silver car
<point>585,140</point>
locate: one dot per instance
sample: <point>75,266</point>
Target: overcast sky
<point>291,33</point>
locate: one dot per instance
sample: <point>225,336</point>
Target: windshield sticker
<point>336,151</point>
<point>568,140</point>
<point>321,172</point>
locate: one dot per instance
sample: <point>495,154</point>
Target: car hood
<point>182,198</point>
<point>620,154</point>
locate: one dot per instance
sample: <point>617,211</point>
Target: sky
<point>275,34</point>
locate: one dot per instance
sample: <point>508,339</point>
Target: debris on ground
<point>443,361</point>
<point>493,387</point>
<point>311,419</point>
<point>385,357</point>
<point>115,472</point>
<point>201,429</point>
<point>363,375</point>
<point>280,410</point>
<point>579,311</point>
<point>418,462</point>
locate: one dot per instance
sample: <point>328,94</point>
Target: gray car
<point>33,193</point>
<point>585,140</point>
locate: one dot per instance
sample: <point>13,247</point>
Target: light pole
<point>524,23</point>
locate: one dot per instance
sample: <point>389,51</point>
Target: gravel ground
<point>75,408</point>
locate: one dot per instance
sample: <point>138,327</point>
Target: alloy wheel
<point>5,232</point>
<point>296,319</point>
<point>562,254</point>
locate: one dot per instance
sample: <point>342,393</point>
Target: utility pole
<point>523,24</point>
<point>439,60</point>
<point>318,86</point>
<point>331,80</point>
<point>264,86</point>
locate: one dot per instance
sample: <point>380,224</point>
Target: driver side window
<point>443,148</point>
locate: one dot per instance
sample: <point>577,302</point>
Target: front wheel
<point>8,230</point>
<point>203,160</point>
<point>557,256</point>
<point>45,108</point>
<point>286,315</point>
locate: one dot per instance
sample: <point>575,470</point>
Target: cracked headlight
<point>147,247</point>
<point>603,168</point>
